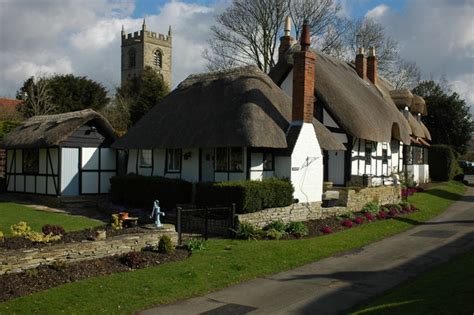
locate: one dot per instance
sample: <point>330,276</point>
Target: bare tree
<point>404,74</point>
<point>117,113</point>
<point>367,33</point>
<point>248,31</point>
<point>325,23</point>
<point>37,100</point>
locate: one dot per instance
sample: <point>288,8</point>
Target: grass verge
<point>12,213</point>
<point>446,289</point>
<point>223,263</point>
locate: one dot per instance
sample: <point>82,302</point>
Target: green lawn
<point>223,263</point>
<point>447,289</point>
<point>11,213</point>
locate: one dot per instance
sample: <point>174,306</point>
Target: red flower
<point>369,216</point>
<point>382,215</point>
<point>326,230</point>
<point>347,223</point>
<point>358,220</point>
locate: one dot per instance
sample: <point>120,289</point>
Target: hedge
<point>141,191</point>
<point>443,163</point>
<point>249,196</point>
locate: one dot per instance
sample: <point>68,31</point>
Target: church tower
<point>146,48</point>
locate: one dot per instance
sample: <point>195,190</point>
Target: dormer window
<point>158,59</point>
<point>132,58</point>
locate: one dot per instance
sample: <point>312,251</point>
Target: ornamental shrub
<point>116,223</point>
<point>298,229</point>
<point>165,246</point>
<point>141,191</point>
<point>37,237</point>
<point>52,229</point>
<point>277,225</point>
<point>248,195</point>
<point>247,231</point>
<point>274,234</point>
<point>132,259</point>
<point>1,236</point>
<point>370,207</point>
<point>195,244</point>
<point>442,162</point>
<point>20,229</point>
<point>382,215</point>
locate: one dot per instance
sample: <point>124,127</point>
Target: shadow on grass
<point>443,194</point>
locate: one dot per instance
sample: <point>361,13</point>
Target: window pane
<point>368,153</point>
<point>221,160</point>
<point>267,162</point>
<point>384,156</point>
<point>236,159</point>
<point>145,158</point>
<point>31,161</point>
<point>174,160</point>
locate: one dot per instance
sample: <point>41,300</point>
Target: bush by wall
<point>141,191</point>
<point>443,163</point>
<point>249,196</point>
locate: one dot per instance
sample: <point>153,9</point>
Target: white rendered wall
<point>190,167</point>
<point>307,166</point>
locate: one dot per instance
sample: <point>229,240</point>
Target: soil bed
<point>12,243</point>
<point>46,277</point>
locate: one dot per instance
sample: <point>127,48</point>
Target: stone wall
<point>19,260</point>
<point>349,201</point>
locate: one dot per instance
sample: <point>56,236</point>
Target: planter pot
<point>123,215</point>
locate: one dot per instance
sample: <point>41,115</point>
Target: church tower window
<point>158,59</point>
<point>132,57</point>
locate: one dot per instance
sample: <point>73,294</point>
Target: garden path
<point>335,284</point>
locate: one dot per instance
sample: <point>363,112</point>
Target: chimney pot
<point>287,26</point>
<point>305,40</point>
<point>303,80</point>
<point>361,64</point>
<point>372,67</point>
<point>286,41</point>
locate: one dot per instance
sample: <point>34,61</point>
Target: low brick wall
<point>349,201</point>
<point>19,260</point>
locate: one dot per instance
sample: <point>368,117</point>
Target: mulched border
<point>46,277</point>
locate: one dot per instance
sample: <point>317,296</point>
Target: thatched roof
<point>51,130</point>
<point>402,98</point>
<point>237,107</point>
<point>357,106</point>
<point>418,105</point>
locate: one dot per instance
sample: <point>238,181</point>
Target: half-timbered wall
<point>44,182</point>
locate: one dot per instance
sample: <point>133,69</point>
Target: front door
<point>207,165</point>
<point>336,167</point>
<point>70,171</point>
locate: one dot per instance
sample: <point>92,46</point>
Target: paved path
<point>335,284</point>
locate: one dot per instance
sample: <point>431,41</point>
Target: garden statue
<point>155,214</point>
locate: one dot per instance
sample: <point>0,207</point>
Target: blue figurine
<point>155,215</point>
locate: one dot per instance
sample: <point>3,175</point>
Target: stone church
<point>146,48</point>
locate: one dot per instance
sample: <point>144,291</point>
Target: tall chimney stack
<point>361,64</point>
<point>286,41</point>
<point>304,63</point>
<point>372,71</point>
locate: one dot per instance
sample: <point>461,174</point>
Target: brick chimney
<point>361,64</point>
<point>372,71</point>
<point>286,41</point>
<point>303,80</point>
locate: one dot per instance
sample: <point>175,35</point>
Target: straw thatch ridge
<point>357,105</point>
<point>238,107</point>
<point>402,98</point>
<point>418,105</point>
<point>50,130</point>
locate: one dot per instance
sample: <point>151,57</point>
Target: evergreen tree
<point>448,120</point>
<point>142,92</point>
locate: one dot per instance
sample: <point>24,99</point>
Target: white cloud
<point>84,38</point>
<point>439,36</point>
<point>377,12</point>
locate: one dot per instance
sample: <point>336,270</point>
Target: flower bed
<point>278,230</point>
<point>46,277</point>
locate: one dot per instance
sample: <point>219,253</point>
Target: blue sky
<point>83,37</point>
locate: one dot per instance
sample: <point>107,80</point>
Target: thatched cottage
<point>356,105</point>
<point>66,154</point>
<point>235,125</point>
